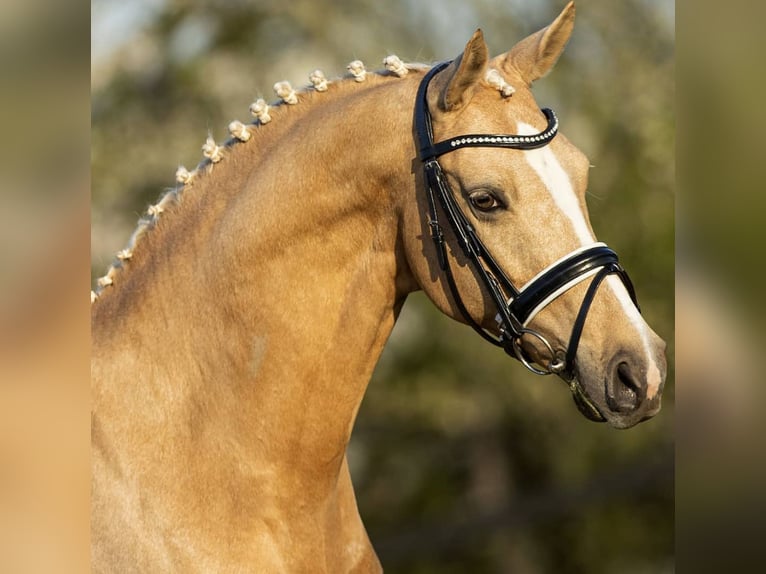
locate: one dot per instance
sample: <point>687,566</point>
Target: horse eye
<point>483,200</point>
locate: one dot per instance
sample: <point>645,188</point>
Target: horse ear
<point>535,55</point>
<point>465,73</point>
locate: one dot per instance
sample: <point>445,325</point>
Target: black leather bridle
<point>515,307</point>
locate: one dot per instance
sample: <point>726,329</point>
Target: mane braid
<point>214,153</point>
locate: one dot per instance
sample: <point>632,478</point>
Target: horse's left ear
<point>535,55</point>
<point>465,73</point>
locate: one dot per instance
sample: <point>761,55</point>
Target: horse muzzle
<point>628,393</point>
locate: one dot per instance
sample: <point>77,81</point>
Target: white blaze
<point>545,164</point>
<point>549,170</point>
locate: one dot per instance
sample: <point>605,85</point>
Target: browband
<point>499,140</point>
<point>430,150</point>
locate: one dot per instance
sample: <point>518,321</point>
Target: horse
<point>235,335</point>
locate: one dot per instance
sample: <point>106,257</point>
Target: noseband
<point>515,307</point>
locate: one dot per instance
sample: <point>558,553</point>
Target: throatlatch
<point>515,307</point>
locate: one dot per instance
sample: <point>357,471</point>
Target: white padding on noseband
<point>561,290</point>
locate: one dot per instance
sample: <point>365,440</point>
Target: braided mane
<point>261,110</point>
<point>214,152</point>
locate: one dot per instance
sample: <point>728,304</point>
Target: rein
<point>515,307</point>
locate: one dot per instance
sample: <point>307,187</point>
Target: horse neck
<point>257,308</point>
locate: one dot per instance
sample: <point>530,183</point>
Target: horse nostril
<point>623,389</point>
<point>625,376</point>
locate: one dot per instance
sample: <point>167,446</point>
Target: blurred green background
<point>462,461</point>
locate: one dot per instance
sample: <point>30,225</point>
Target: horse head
<point>514,253</point>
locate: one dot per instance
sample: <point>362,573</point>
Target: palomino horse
<point>233,343</point>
